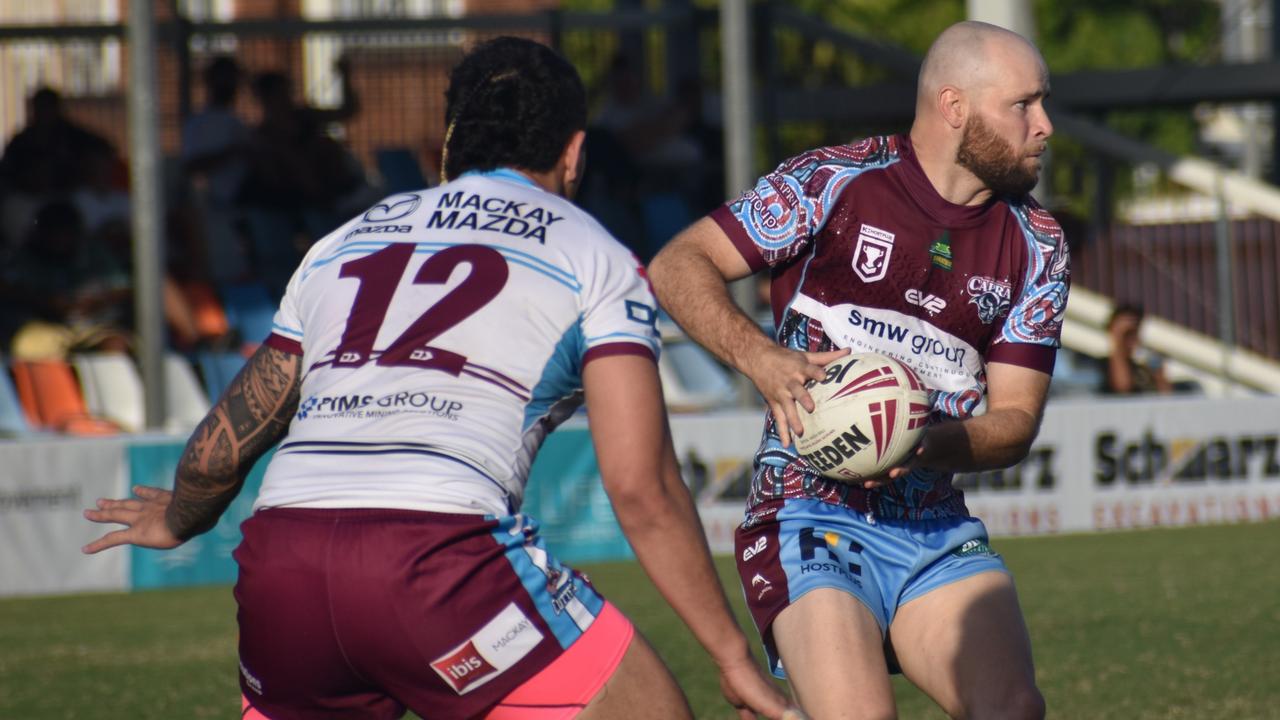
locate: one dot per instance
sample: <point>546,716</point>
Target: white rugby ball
<point>869,413</point>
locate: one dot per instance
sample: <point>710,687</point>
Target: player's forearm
<point>695,294</point>
<point>667,536</point>
<point>998,439</point>
<point>249,418</point>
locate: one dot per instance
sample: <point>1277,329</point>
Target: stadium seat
<point>112,388</point>
<point>400,171</point>
<point>692,380</point>
<point>250,310</point>
<point>665,214</point>
<point>271,248</point>
<point>185,400</point>
<point>211,319</point>
<point>51,399</point>
<point>218,369</point>
<point>12,419</point>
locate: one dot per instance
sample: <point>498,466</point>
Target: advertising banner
<point>1099,464</point>
<point>567,499</point>
<point>45,485</point>
<point>1096,465</point>
<point>205,559</point>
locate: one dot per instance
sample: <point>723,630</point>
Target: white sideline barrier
<point>1097,465</point>
<point>45,485</point>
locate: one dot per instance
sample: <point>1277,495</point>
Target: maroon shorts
<point>364,613</point>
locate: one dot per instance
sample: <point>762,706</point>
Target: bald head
<point>971,56</point>
<point>981,124</point>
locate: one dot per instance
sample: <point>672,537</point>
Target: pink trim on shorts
<point>248,711</point>
<point>562,689</point>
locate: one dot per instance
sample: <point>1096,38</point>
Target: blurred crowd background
<point>280,119</point>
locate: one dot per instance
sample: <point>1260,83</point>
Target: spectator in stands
<point>659,135</point>
<point>103,198</point>
<point>62,292</point>
<point>69,289</point>
<point>300,182</point>
<point>1129,370</point>
<point>295,164</point>
<point>215,142</point>
<point>42,162</point>
<point>215,156</point>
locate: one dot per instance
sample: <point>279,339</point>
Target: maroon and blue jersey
<point>864,254</point>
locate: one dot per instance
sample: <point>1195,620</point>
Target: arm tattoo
<point>251,416</point>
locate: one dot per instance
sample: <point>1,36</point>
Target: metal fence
<point>1171,270</point>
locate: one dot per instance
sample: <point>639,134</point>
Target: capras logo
<point>932,303</point>
<point>992,297</point>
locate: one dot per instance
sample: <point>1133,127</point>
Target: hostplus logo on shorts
<point>359,407</point>
<point>829,543</point>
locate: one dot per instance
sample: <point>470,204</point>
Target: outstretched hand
<point>142,517</point>
<point>751,693</point>
<point>780,374</point>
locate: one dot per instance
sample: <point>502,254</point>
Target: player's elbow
<point>663,268</point>
<point>1024,428</point>
<point>638,495</point>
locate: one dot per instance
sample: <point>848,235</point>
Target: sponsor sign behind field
<point>204,559</point>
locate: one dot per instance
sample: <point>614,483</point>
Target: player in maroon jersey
<point>925,247</point>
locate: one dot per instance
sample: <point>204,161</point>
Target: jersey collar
<point>502,173</point>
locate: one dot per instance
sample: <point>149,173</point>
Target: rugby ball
<point>869,413</point>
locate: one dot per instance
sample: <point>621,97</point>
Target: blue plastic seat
<point>12,420</point>
<point>218,369</point>
<point>250,310</point>
<point>400,171</point>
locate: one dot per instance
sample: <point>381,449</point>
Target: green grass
<point>1161,624</point>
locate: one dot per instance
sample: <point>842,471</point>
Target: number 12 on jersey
<point>379,274</point>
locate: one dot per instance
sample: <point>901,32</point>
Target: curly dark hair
<point>511,102</point>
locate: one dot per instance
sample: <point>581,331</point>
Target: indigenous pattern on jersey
<point>443,335</point>
<point>864,254</point>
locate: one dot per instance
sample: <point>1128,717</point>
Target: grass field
<point>1176,623</point>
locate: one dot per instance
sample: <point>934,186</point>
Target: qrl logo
<point>871,254</point>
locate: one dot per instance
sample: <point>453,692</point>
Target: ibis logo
<point>492,650</point>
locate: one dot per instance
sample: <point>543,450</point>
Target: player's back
<point>442,335</point>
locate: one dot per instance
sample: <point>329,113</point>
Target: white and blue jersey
<point>443,334</point>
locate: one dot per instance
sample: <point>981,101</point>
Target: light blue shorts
<point>809,544</point>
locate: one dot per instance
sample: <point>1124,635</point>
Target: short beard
<point>993,161</point>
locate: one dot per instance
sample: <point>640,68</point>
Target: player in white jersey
<point>421,354</point>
